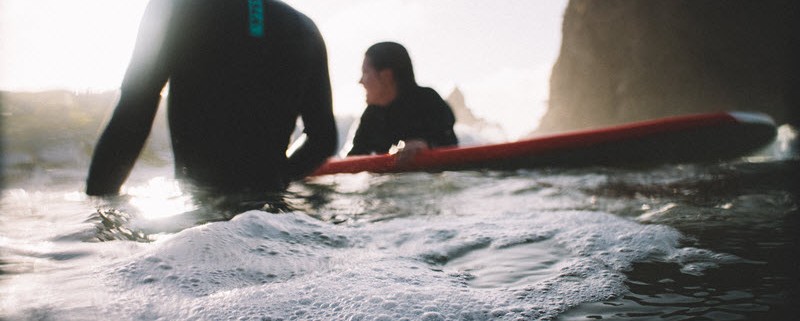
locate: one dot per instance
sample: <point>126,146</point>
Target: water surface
<point>669,242</point>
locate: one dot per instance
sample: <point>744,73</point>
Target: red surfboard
<point>690,138</point>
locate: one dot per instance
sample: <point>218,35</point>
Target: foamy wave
<point>290,266</point>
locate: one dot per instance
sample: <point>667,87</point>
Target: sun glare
<point>84,44</point>
<point>160,198</point>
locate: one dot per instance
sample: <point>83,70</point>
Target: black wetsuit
<point>240,73</point>
<point>419,113</point>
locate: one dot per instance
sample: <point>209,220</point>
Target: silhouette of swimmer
<point>240,74</point>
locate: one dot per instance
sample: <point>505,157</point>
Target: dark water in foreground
<point>747,210</point>
<point>670,242</point>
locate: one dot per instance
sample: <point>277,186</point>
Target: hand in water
<point>408,150</point>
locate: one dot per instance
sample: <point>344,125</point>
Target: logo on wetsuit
<point>256,17</point>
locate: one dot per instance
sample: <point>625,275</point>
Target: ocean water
<point>669,242</point>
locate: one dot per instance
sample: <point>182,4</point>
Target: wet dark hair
<point>392,55</point>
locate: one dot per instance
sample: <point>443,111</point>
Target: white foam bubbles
<point>506,266</point>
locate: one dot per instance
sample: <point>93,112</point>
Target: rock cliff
<point>628,60</point>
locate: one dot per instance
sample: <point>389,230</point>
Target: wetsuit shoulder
<point>437,118</point>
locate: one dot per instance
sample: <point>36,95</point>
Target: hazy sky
<point>499,53</point>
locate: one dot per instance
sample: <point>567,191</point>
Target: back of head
<point>392,55</point>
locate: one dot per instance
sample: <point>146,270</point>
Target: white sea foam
<point>466,246</point>
<point>290,266</point>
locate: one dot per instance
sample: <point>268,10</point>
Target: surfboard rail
<point>686,138</point>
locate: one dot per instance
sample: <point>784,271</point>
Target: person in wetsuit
<point>240,73</point>
<point>399,109</point>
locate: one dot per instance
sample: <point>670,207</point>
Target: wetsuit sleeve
<point>317,115</point>
<point>129,126</point>
<point>431,121</point>
<point>365,133</point>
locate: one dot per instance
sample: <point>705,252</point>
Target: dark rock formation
<point>463,114</point>
<point>471,129</point>
<point>628,60</point>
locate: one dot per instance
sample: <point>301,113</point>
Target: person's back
<point>240,72</point>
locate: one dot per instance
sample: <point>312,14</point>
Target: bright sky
<point>499,53</point>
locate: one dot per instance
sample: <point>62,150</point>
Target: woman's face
<point>379,85</point>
